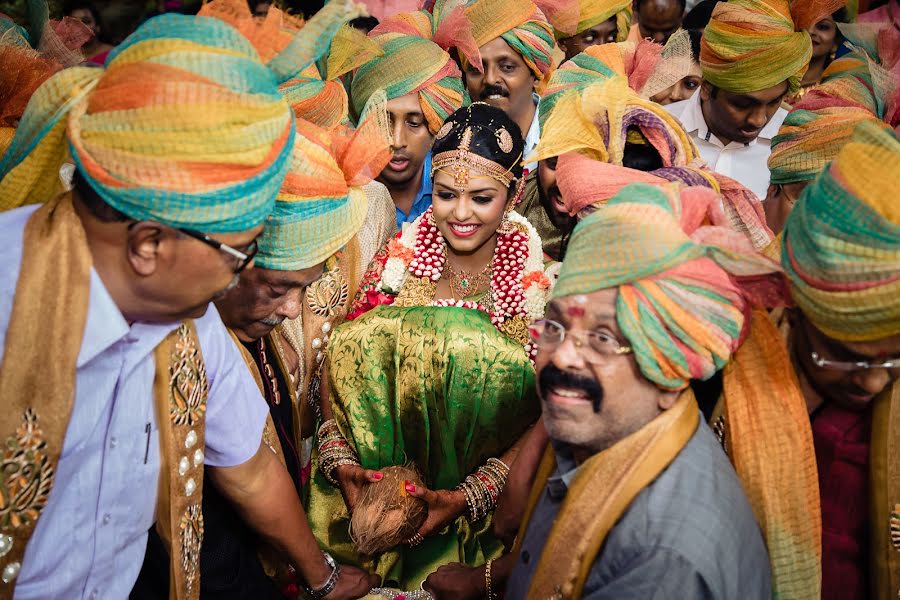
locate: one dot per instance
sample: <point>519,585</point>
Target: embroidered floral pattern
<point>27,474</point>
<point>189,385</point>
<point>191,538</point>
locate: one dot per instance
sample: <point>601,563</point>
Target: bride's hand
<point>351,480</point>
<point>444,506</point>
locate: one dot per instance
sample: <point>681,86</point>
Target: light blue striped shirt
<point>91,537</point>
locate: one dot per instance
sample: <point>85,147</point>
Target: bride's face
<point>468,215</point>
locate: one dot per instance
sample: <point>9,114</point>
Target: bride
<point>434,367</point>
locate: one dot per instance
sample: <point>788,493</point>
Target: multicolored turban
<point>649,68</point>
<point>841,245</point>
<point>29,59</point>
<point>317,95</point>
<point>691,300</point>
<point>594,12</point>
<point>752,45</point>
<point>679,304</point>
<point>310,78</point>
<point>416,59</point>
<point>322,204</point>
<point>184,126</point>
<point>525,27</point>
<point>810,139</point>
<point>594,112</point>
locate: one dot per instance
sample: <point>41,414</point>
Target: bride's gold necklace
<point>463,284</point>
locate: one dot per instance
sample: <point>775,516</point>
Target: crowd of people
<point>524,299</point>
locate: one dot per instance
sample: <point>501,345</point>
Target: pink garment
<point>883,14</point>
<point>386,8</point>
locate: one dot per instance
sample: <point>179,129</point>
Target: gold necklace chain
<point>463,284</point>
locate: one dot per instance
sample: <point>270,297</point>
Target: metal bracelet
<point>329,585</point>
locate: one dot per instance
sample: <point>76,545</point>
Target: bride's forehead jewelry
<point>457,163</point>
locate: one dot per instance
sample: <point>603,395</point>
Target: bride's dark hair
<point>494,136</point>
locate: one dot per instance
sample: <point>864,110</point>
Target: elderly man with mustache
<point>634,497</point>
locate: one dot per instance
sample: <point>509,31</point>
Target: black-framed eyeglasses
<point>243,258</point>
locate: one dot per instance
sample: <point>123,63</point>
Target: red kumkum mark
<point>575,311</point>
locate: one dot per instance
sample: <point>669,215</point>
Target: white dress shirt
<point>90,539</point>
<point>746,163</point>
<point>532,137</point>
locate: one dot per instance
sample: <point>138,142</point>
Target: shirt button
<point>113,442</point>
<point>94,594</point>
<point>106,519</point>
<point>526,557</point>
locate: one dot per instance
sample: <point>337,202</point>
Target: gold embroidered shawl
<point>603,490</point>
<point>50,305</point>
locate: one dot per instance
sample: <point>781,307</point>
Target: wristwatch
<point>329,585</point>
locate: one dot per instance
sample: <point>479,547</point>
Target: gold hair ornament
<point>459,162</point>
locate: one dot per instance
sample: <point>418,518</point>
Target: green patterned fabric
<point>436,386</point>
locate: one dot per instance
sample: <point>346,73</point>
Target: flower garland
<point>519,287</point>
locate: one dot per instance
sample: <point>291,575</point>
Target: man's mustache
<point>493,90</point>
<point>552,377</point>
<point>272,321</point>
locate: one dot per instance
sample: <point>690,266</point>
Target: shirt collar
<point>105,324</point>
<point>692,120</point>
<point>423,198</point>
<point>566,470</point>
<point>533,136</point>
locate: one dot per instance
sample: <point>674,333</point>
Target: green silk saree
<point>440,387</point>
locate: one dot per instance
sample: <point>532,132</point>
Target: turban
<point>686,287</point>
<point>841,245</point>
<point>416,59</point>
<point>679,305</point>
<point>596,118</point>
<point>752,45</point>
<point>594,12</point>
<point>184,126</point>
<point>649,68</point>
<point>524,26</point>
<point>30,59</point>
<point>809,139</point>
<point>322,204</point>
<point>852,91</point>
<point>312,90</point>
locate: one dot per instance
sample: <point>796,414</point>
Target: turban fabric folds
<point>841,245</point>
<point>184,126</point>
<point>679,303</point>
<point>322,204</point>
<point>591,108</point>
<point>855,89</point>
<point>416,59</point>
<point>529,28</point>
<point>752,45</point>
<point>310,56</point>
<point>594,12</point>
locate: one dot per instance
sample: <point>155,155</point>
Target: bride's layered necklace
<point>518,289</point>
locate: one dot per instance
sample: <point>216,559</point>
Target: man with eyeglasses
<point>298,286</point>
<point>121,388</point>
<point>634,497</point>
<point>841,253</point>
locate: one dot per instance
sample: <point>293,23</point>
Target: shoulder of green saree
<point>436,386</point>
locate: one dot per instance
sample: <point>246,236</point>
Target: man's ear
<point>144,247</point>
<point>706,91</point>
<point>667,400</point>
